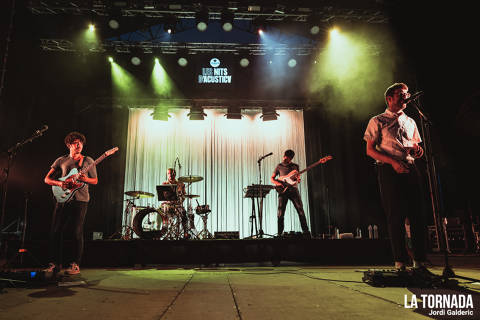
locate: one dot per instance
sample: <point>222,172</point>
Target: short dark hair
<point>290,153</point>
<point>173,170</point>
<point>72,136</point>
<point>391,90</point>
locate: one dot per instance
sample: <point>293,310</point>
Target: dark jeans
<point>293,195</point>
<point>74,212</point>
<point>403,196</point>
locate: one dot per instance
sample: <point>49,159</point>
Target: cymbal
<point>191,195</point>
<point>190,179</point>
<point>139,194</point>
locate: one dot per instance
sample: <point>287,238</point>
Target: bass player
<point>290,193</point>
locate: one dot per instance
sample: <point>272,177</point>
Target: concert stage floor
<point>129,253</point>
<point>236,291</point>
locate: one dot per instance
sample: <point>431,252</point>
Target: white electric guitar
<point>292,178</point>
<point>72,184</point>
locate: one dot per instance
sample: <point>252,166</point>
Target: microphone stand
<point>12,152</point>
<point>262,195</point>
<point>425,125</point>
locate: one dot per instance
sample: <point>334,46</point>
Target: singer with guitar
<point>288,193</point>
<point>393,140</point>
<point>76,208</point>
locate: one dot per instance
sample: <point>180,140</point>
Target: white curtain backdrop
<point>222,151</point>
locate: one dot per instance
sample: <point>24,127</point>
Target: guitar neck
<point>310,167</point>
<point>99,159</point>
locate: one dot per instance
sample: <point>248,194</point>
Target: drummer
<point>171,179</point>
<point>168,206</point>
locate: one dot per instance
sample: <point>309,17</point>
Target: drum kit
<point>170,221</point>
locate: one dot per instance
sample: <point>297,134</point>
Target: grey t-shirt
<point>283,169</point>
<point>64,164</point>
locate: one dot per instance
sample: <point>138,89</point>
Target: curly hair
<point>72,136</point>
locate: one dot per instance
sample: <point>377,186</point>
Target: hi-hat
<point>191,196</point>
<point>190,179</point>
<point>139,194</point>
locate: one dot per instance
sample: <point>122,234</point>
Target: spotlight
<point>160,114</point>
<point>169,24</point>
<point>259,25</point>
<point>269,114</point>
<point>91,27</point>
<point>196,113</point>
<point>110,59</point>
<point>244,62</point>
<point>334,32</point>
<point>182,62</point>
<point>227,20</point>
<point>202,20</point>
<point>234,113</point>
<point>313,25</point>
<point>113,23</point>
<point>136,59</point>
<point>292,63</point>
<point>114,16</point>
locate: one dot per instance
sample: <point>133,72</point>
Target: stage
<point>129,253</point>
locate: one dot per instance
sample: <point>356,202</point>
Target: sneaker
<point>73,269</point>
<point>52,268</point>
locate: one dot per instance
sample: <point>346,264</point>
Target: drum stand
<point>126,230</point>
<point>205,234</point>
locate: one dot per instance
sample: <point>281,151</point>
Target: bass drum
<point>150,223</point>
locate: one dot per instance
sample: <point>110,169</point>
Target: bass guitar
<point>292,178</point>
<point>72,184</point>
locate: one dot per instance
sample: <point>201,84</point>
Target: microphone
<point>413,97</point>
<point>263,157</point>
<point>40,131</point>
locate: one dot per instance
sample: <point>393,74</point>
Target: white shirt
<point>393,134</point>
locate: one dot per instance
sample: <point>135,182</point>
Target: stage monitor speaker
<point>227,235</point>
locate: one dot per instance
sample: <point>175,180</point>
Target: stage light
<point>334,32</point>
<point>269,114</point>
<point>227,20</point>
<point>137,53</point>
<point>110,59</point>
<point>313,25</point>
<point>182,62</point>
<point>91,27</point>
<point>201,19</point>
<point>292,63</point>
<point>259,25</point>
<point>196,113</point>
<point>160,113</point>
<point>244,62</point>
<point>170,24</point>
<point>234,113</point>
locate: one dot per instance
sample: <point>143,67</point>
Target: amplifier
<point>227,235</point>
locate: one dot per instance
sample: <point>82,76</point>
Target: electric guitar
<point>291,179</point>
<point>72,184</point>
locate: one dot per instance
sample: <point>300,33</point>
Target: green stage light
<point>91,27</point>
<point>160,80</point>
<point>110,59</point>
<point>124,84</point>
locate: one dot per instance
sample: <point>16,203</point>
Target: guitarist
<point>392,139</point>
<point>291,193</point>
<point>74,210</point>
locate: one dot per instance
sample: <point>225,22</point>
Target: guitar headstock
<point>325,159</point>
<point>111,151</point>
